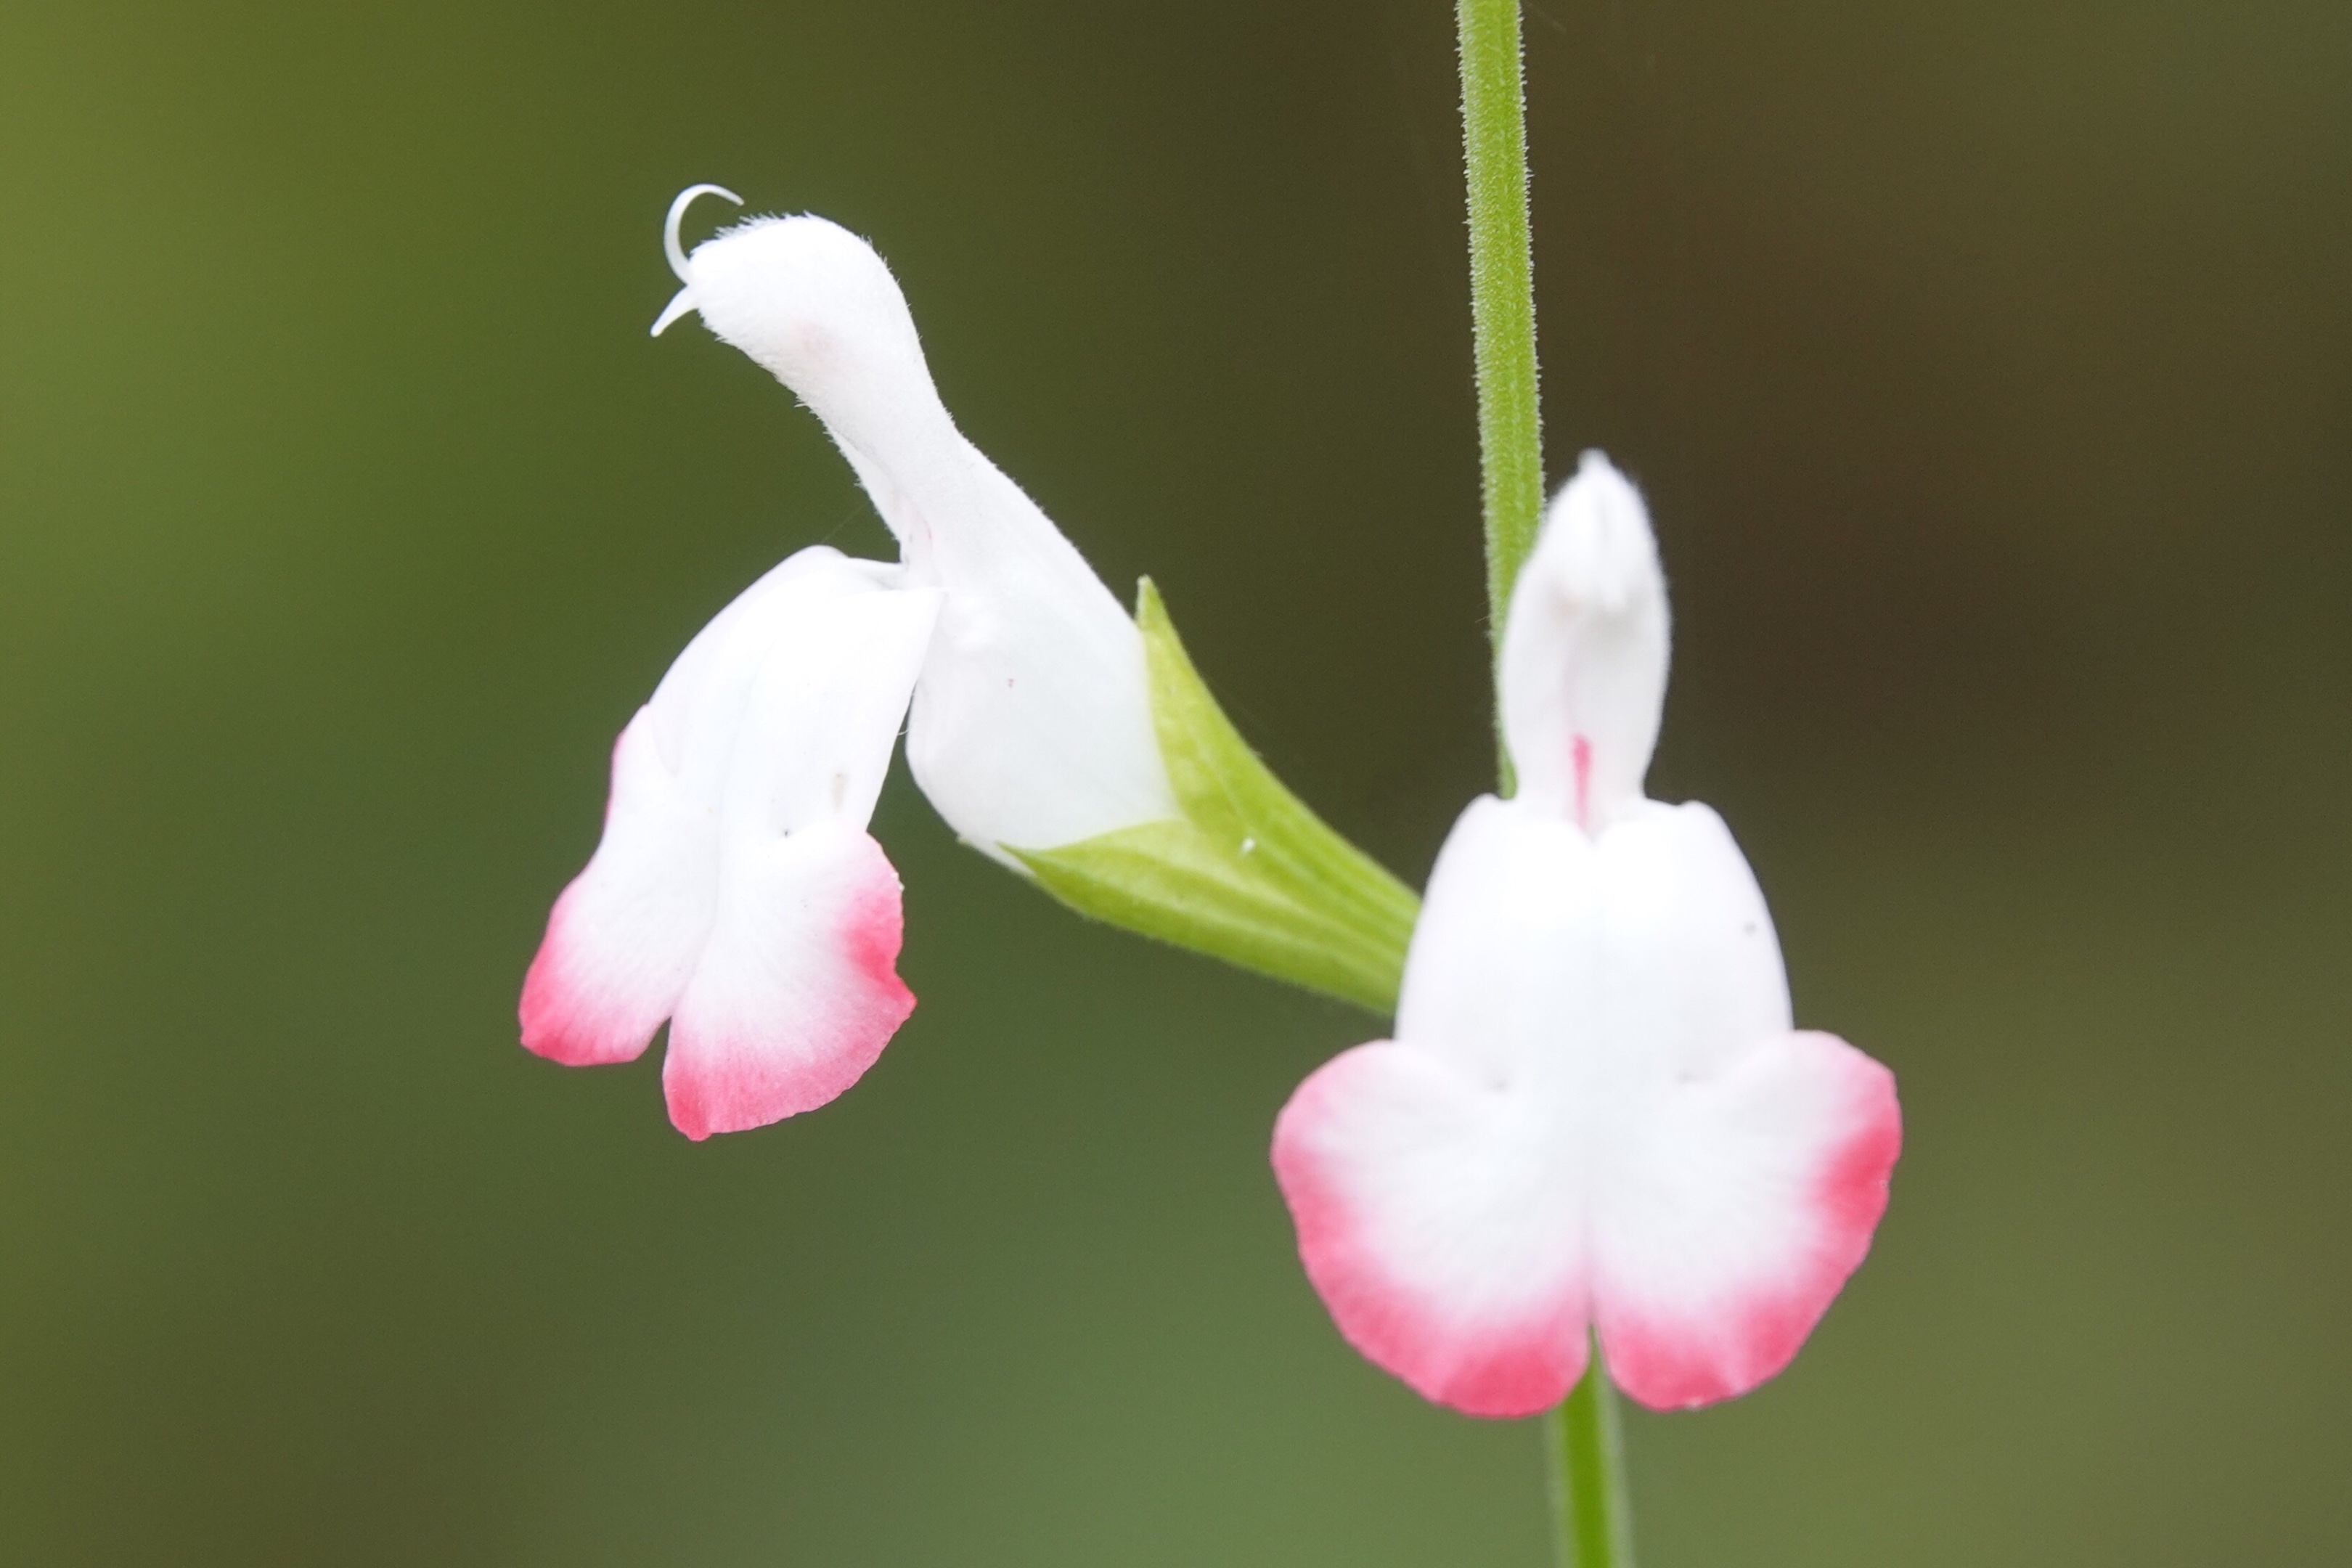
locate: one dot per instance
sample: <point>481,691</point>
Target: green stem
<point>1502,296</point>
<point>1592,1523</point>
<point>1588,1461</point>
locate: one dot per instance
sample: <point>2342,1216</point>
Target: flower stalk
<point>1502,294</point>
<point>1592,1519</point>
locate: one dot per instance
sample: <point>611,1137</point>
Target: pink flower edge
<point>1514,1364</point>
<point>1524,1360</point>
<point>730,1074</point>
<point>1682,1361</point>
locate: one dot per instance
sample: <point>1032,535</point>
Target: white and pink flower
<point>736,893</point>
<point>1595,1118</point>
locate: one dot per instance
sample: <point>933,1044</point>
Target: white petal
<point>1584,651</point>
<point>1593,1112</point>
<point>1734,1212</point>
<point>1543,956</point>
<point>734,866</point>
<point>811,303</point>
<point>818,722</point>
<point>1032,727</point>
<point>1435,1229</point>
<point>1504,944</point>
<point>797,990</point>
<point>623,937</point>
<point>696,710</point>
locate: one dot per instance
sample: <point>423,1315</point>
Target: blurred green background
<point>1989,367</point>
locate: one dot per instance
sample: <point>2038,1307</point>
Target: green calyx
<point>1247,874</point>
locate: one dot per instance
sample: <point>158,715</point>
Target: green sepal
<point>1247,874</point>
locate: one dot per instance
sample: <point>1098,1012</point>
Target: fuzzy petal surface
<point>1031,726</point>
<point>1584,651</point>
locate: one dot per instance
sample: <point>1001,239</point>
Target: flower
<point>1595,1119</point>
<point>735,893</point>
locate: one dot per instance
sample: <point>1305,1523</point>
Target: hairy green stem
<point>1502,297</point>
<point>1592,1523</point>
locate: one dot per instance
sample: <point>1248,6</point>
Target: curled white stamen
<point>677,211</point>
<point>684,301</point>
